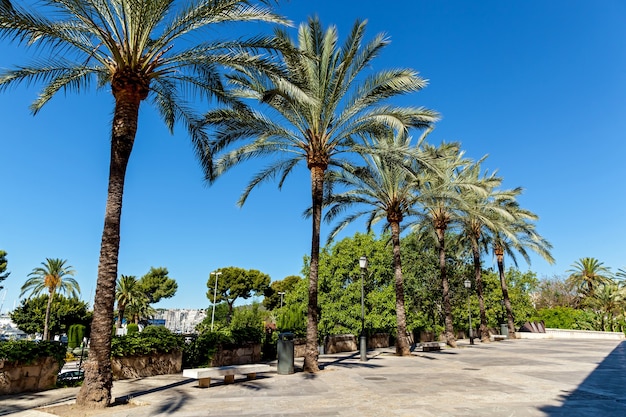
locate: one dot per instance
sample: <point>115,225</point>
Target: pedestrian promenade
<point>508,378</point>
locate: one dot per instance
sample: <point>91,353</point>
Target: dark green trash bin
<point>285,354</point>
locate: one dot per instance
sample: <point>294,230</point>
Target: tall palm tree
<point>487,212</point>
<point>140,49</point>
<point>385,188</point>
<point>587,274</point>
<point>319,113</point>
<point>445,196</point>
<point>126,291</point>
<point>54,277</point>
<point>517,236</point>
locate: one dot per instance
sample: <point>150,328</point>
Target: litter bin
<point>285,354</point>
<point>504,329</point>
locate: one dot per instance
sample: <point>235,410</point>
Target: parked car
<point>67,376</point>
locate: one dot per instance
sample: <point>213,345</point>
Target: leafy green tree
<point>272,299</point>
<point>53,276</point>
<point>3,267</point>
<point>587,274</point>
<point>156,285</point>
<point>30,315</point>
<point>555,292</point>
<point>234,283</point>
<point>126,291</point>
<point>154,49</point>
<point>318,115</point>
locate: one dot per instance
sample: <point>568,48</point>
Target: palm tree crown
<point>54,277</point>
<point>319,112</point>
<point>587,274</point>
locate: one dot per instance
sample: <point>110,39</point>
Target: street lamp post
<point>281,293</point>
<point>468,285</point>
<point>217,274</point>
<point>363,339</point>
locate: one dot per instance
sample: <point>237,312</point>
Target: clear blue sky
<point>538,85</point>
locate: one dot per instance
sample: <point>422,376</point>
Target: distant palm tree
<point>587,274</point>
<point>157,49</point>
<point>609,301</point>
<point>385,188</point>
<point>517,236</point>
<point>54,277</point>
<point>127,290</point>
<point>318,114</point>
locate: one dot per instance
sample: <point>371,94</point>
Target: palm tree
<point>442,195</point>
<point>385,187</point>
<point>488,212</point>
<point>513,237</point>
<point>320,112</point>
<point>140,49</point>
<point>587,274</point>
<point>52,276</point>
<point>126,291</point>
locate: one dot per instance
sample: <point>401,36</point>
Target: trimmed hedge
<point>153,339</point>
<point>28,351</point>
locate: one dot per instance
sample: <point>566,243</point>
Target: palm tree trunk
<point>402,345</point>
<point>483,330</point>
<point>445,286</point>
<point>505,297</point>
<point>96,389</point>
<point>317,193</point>
<point>47,319</point>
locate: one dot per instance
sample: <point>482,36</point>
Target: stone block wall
<point>37,376</point>
<point>149,365</point>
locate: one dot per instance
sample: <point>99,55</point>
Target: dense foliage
<point>153,339</point>
<point>3,267</point>
<point>28,351</point>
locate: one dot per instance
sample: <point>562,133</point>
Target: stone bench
<point>204,375</point>
<point>498,337</point>
<point>430,346</point>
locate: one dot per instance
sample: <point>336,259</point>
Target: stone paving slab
<point>509,378</point>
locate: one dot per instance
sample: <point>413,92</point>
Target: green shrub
<point>292,319</point>
<point>562,318</point>
<point>199,351</point>
<point>28,351</point>
<point>153,339</point>
<point>75,335</point>
<point>132,328</point>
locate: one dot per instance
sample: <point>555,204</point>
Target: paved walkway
<point>509,378</point>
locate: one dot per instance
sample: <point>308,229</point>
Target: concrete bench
<point>430,346</point>
<point>204,375</point>
<point>498,337</point>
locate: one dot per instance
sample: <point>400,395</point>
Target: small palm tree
<point>127,290</point>
<point>587,274</point>
<point>319,114</point>
<point>140,50</point>
<point>54,277</point>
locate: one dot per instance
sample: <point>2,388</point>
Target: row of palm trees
<point>313,104</point>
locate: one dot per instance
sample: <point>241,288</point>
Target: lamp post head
<point>467,283</point>
<point>363,262</point>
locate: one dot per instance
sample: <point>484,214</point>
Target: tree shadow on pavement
<point>602,393</point>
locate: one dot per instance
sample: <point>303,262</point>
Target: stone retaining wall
<point>237,355</point>
<point>571,334</point>
<point>37,376</point>
<point>149,365</point>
